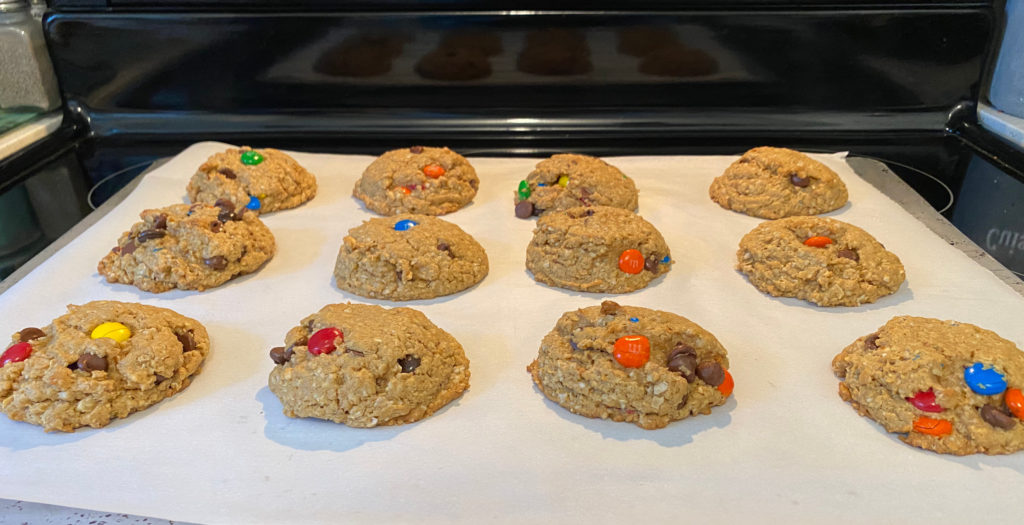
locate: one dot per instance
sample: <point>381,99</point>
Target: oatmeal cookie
<point>568,180</point>
<point>429,181</point>
<point>262,180</point>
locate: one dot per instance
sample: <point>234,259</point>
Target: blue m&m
<point>984,381</point>
<point>404,225</point>
<point>254,203</point>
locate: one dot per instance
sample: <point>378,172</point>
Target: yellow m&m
<point>116,331</point>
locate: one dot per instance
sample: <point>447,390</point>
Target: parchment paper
<point>785,447</point>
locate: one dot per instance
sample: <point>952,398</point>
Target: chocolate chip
<point>651,263</point>
<point>27,334</point>
<point>225,204</point>
<point>683,360</point>
<point>799,181</point>
<point>217,262</point>
<point>90,362</point>
<point>711,373</point>
<point>409,363</point>
<point>682,403</point>
<point>227,172</point>
<point>524,209</point>
<point>188,343</point>
<point>609,307</point>
<point>128,248</point>
<point>443,246</point>
<point>148,235</point>
<point>872,341</point>
<point>160,222</point>
<point>416,149</point>
<point>849,254</point>
<point>159,378</point>
<point>225,216</point>
<point>115,250</point>
<point>216,226</point>
<point>280,355</point>
<point>997,418</point>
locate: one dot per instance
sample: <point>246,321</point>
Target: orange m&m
<point>933,427</point>
<point>632,351</point>
<point>631,261</point>
<point>1014,400</point>
<point>727,384</point>
<point>818,241</point>
<point>433,170</point>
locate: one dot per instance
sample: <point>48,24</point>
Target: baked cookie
<point>944,386</point>
<point>99,361</point>
<point>361,55</point>
<point>596,249</point>
<point>817,259</point>
<point>776,182</point>
<point>364,366</point>
<point>626,363</point>
<point>262,180</point>
<point>190,247</point>
<point>486,42</point>
<point>408,257</point>
<point>454,63</point>
<point>431,181</point>
<point>640,41</point>
<point>555,52</point>
<point>678,61</point>
<point>568,180</point>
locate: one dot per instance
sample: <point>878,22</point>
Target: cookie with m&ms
<point>189,247</point>
<point>632,364</point>
<point>262,180</point>
<point>366,366</point>
<point>944,386</point>
<point>100,361</point>
<point>408,257</point>
<point>821,260</point>
<point>568,180</point>
<point>418,179</point>
<point>771,183</point>
<point>597,249</point>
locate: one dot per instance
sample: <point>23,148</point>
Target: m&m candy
<point>984,381</point>
<point>727,384</point>
<point>116,331</point>
<point>405,224</point>
<point>16,353</point>
<point>932,427</point>
<point>632,351</point>
<point>631,261</point>
<point>323,341</point>
<point>818,242</point>
<point>524,190</point>
<point>254,203</point>
<point>433,170</point>
<point>925,401</point>
<point>251,158</point>
<point>563,181</point>
<point>1015,402</point>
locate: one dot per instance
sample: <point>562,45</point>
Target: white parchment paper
<point>783,448</point>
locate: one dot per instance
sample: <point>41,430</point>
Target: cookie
<point>568,180</point>
<point>627,363</point>
<point>364,366</point>
<point>100,361</point>
<point>454,64</point>
<point>555,52</point>
<point>678,61</point>
<point>817,259</point>
<point>640,41</point>
<point>408,257</point>
<point>944,386</point>
<point>486,42</point>
<point>776,182</point>
<point>262,180</point>
<point>188,247</point>
<point>361,55</point>
<point>430,181</point>
<point>597,249</point>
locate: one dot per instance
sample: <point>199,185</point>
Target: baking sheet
<point>783,447</point>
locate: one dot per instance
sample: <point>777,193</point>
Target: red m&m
<point>325,341</point>
<point>925,401</point>
<point>16,353</point>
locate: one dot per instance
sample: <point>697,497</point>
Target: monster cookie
<point>640,41</point>
<point>100,361</point>
<point>678,61</point>
<point>454,63</point>
<point>821,260</point>
<point>361,55</point>
<point>555,52</point>
<point>364,366</point>
<point>188,247</point>
<point>626,363</point>
<point>262,180</point>
<point>431,181</point>
<point>567,180</point>
<point>408,257</point>
<point>944,386</point>
<point>596,249</point>
<point>776,182</point>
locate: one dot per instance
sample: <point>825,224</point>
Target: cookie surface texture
<point>577,367</point>
<point>264,180</point>
<point>568,180</point>
<point>419,179</point>
<point>918,377</point>
<point>188,247</point>
<point>408,257</point>
<point>849,269</point>
<point>375,366</point>
<point>777,182</point>
<point>140,355</point>
<point>596,249</point>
